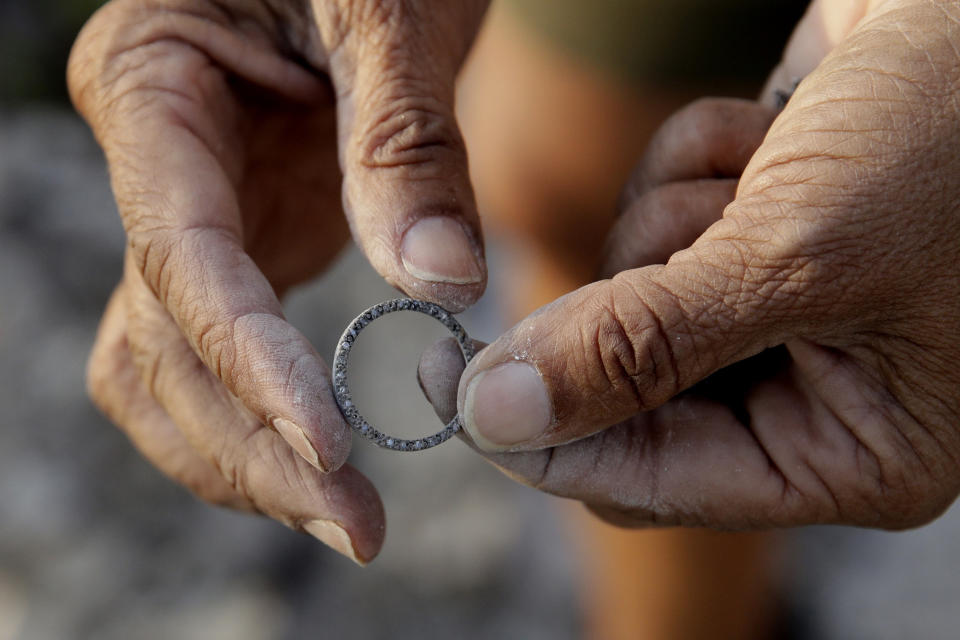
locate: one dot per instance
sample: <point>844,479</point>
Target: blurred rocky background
<point>94,543</point>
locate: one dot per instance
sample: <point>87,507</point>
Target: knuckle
<point>103,59</point>
<point>632,345</point>
<point>410,132</point>
<point>153,249</point>
<point>614,345</point>
<point>212,341</point>
<point>85,63</point>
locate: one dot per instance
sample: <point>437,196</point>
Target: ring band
<point>342,390</point>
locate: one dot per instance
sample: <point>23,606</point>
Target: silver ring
<point>341,389</point>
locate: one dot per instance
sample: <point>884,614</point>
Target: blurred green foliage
<point>35,40</point>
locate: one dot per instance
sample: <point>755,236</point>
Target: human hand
<point>226,126</point>
<point>797,362</point>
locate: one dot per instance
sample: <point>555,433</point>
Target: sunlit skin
<point>247,141</point>
<point>235,181</point>
<point>835,238</point>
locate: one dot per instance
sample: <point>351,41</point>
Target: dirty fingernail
<point>506,405</point>
<point>334,536</point>
<point>437,249</point>
<point>297,439</point>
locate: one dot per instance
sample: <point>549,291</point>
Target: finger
<point>659,469</point>
<point>612,349</point>
<point>126,35</point>
<point>341,508</point>
<point>185,236</point>
<point>438,373</point>
<point>146,81</point>
<point>618,347</point>
<point>692,462</point>
<point>116,388</point>
<point>710,138</point>
<point>406,187</point>
<point>663,221</point>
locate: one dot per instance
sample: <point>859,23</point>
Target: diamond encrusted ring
<point>342,390</point>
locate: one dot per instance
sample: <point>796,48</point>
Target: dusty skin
<point>235,182</point>
<point>795,363</point>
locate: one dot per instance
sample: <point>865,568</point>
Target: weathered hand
<point>797,362</point>
<point>227,127</point>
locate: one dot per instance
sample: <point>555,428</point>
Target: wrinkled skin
<point>238,133</point>
<point>794,359</point>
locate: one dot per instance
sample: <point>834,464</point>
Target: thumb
<point>614,348</point>
<point>406,187</point>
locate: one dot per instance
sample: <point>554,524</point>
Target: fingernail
<point>506,405</point>
<point>437,249</point>
<point>334,536</point>
<point>297,439</point>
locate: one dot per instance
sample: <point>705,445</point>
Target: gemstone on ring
<point>341,389</point>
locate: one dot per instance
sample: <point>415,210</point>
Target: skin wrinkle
<point>172,260</point>
<point>862,439</point>
<point>772,466</point>
<point>892,376</point>
<point>896,261</point>
<point>282,459</point>
<point>669,357</point>
<point>199,88</point>
<point>902,447</point>
<point>184,119</point>
<point>820,474</point>
<point>412,133</point>
<point>214,41</point>
<point>821,497</point>
<point>257,327</point>
<point>889,501</point>
<point>272,21</point>
<point>888,264</point>
<point>174,113</point>
<point>592,339</point>
<point>611,338</point>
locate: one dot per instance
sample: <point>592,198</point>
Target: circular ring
<point>341,389</point>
